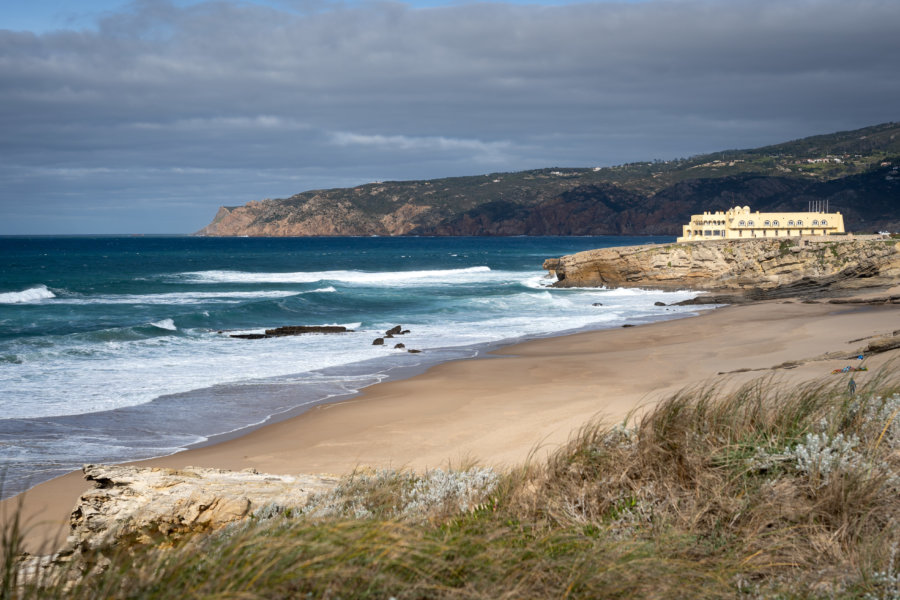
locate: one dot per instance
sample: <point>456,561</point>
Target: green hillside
<point>855,171</point>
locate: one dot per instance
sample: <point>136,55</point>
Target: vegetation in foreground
<point>763,492</point>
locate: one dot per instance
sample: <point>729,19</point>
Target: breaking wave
<point>386,277</point>
<point>34,294</point>
<point>167,324</point>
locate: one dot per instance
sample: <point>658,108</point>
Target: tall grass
<point>767,491</point>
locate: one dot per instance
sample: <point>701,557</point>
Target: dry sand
<point>525,401</point>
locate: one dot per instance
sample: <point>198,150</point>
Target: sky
<point>146,116</point>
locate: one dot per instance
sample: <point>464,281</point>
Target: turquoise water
<point>117,348</point>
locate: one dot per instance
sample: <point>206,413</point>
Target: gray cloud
<point>221,103</point>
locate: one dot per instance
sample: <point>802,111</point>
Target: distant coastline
<point>856,172</point>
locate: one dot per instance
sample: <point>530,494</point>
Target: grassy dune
<point>767,491</point>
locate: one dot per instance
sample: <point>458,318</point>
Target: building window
<point>741,223</point>
<point>750,223</point>
<point>791,223</point>
<point>824,222</point>
<point>767,223</point>
<point>775,223</point>
<point>800,223</point>
<point>815,222</point>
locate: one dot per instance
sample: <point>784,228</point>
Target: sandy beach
<point>525,400</point>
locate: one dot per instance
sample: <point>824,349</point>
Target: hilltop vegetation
<point>855,171</point>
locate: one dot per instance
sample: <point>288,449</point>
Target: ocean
<point>119,348</point>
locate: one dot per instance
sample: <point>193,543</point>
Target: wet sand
<point>525,400</point>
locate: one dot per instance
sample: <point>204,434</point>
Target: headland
<point>735,271</point>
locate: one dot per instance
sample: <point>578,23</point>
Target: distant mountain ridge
<point>857,172</point>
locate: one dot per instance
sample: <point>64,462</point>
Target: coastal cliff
<point>319,213</point>
<point>749,267</point>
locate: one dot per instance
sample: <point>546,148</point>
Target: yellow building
<point>739,223</point>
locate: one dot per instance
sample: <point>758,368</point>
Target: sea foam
<point>34,294</point>
<point>224,297</point>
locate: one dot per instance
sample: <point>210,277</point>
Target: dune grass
<point>767,491</point>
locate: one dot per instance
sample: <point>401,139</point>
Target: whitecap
<point>167,324</point>
<point>34,294</point>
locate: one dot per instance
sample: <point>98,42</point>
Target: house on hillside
<point>740,223</point>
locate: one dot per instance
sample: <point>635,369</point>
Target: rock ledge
<point>755,269</point>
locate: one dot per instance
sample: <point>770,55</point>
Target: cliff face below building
<point>752,268</point>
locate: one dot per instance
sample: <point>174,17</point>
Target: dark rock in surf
<point>292,330</point>
<point>301,329</point>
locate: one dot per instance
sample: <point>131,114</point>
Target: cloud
<point>490,151</point>
<point>332,94</point>
<point>256,123</point>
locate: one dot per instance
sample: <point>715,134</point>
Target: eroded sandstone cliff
<point>735,266</point>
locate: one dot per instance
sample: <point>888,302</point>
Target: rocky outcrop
<point>753,268</point>
<point>143,503</point>
<point>292,330</point>
<point>131,506</point>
